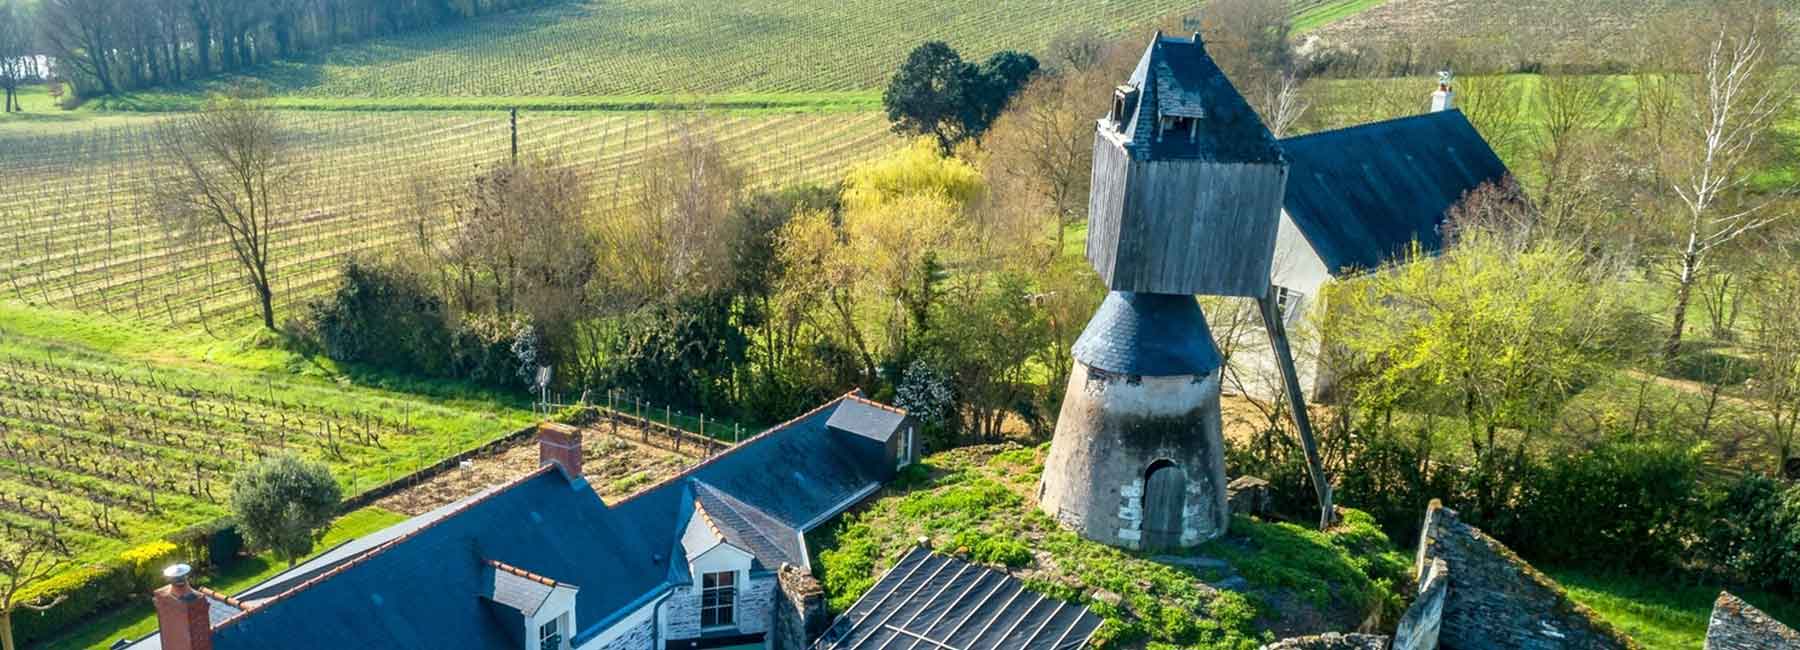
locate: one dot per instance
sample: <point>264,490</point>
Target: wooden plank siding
<point>1183,226</point>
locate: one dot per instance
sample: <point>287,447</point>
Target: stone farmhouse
<point>1358,199</point>
<point>712,558</point>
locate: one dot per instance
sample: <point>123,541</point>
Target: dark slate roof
<point>421,591</point>
<point>1148,334</point>
<point>507,587</point>
<point>350,550</point>
<point>1176,77</point>
<point>799,474</point>
<point>868,419</point>
<point>931,602</point>
<point>428,582</point>
<point>1363,194</point>
<point>744,526</point>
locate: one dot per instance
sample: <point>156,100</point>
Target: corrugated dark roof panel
<point>1362,195</point>
<point>1148,334</point>
<point>931,602</point>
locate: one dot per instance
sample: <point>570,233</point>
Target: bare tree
<point>674,241</point>
<point>1737,91</point>
<point>522,243</point>
<point>1575,109</point>
<point>1078,50</point>
<point>17,59</point>
<point>83,35</point>
<point>229,173</point>
<point>27,559</point>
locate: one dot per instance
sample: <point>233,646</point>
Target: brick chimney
<point>181,613</point>
<point>1445,98</point>
<point>560,444</point>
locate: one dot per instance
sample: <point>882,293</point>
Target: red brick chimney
<point>560,444</point>
<point>181,613</point>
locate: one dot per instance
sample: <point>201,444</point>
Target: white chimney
<point>1445,98</point>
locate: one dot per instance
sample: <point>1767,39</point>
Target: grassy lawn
<point>1661,614</point>
<point>139,619</point>
<point>978,503</point>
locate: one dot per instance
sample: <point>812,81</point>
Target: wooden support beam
<point>1290,379</point>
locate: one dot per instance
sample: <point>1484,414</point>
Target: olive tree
<point>284,504</point>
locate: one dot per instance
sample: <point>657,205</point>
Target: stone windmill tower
<point>1186,198</point>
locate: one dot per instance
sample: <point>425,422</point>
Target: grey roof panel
<point>867,419</point>
<point>931,602</point>
<point>744,526</point>
<point>1362,195</point>
<point>1148,334</point>
<point>516,591</point>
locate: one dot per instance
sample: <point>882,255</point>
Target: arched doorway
<point>1165,496</point>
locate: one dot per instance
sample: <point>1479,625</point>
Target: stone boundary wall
<point>1735,625</point>
<point>1496,601</point>
<point>1331,641</point>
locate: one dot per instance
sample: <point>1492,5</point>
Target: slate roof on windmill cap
<point>1148,334</point>
<point>1362,195</point>
<point>1177,77</point>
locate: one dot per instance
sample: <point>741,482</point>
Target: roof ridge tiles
<point>508,568</point>
<point>885,407</point>
<point>1353,127</point>
<point>334,571</point>
<point>696,467</point>
<point>241,605</point>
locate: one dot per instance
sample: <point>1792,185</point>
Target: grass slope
<point>1658,613</point>
<point>978,503</point>
<point>197,401</point>
<point>626,47</point>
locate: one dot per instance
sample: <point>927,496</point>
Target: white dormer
<point>543,608</point>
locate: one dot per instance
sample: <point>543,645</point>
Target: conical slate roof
<point>1177,78</point>
<point>1148,334</point>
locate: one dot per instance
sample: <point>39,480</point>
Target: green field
<point>77,236</point>
<point>1659,613</point>
<point>127,434</point>
<point>635,47</point>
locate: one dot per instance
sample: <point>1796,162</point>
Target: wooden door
<point>1165,495</point>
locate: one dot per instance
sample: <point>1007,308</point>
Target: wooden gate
<point>1165,495</point>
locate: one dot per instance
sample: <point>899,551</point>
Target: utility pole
<point>514,121</point>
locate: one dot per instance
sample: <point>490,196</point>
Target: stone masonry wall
<point>800,614</point>
<point>641,637</point>
<point>682,613</point>
<point>1735,625</point>
<point>755,605</point>
<point>1496,601</point>
<point>1420,625</point>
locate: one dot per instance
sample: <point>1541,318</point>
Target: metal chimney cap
<point>177,573</point>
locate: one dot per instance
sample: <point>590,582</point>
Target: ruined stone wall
<point>1735,625</point>
<point>1420,625</point>
<point>800,615</point>
<point>1496,601</point>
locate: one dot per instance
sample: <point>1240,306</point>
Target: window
<point>718,599</point>
<point>550,635</point>
<point>1287,301</point>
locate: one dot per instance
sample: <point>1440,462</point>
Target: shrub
<point>1624,504</point>
<point>92,589</point>
<point>383,316</point>
<point>1753,532</point>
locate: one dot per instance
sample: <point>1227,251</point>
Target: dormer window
<point>1178,124</point>
<point>1124,100</point>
